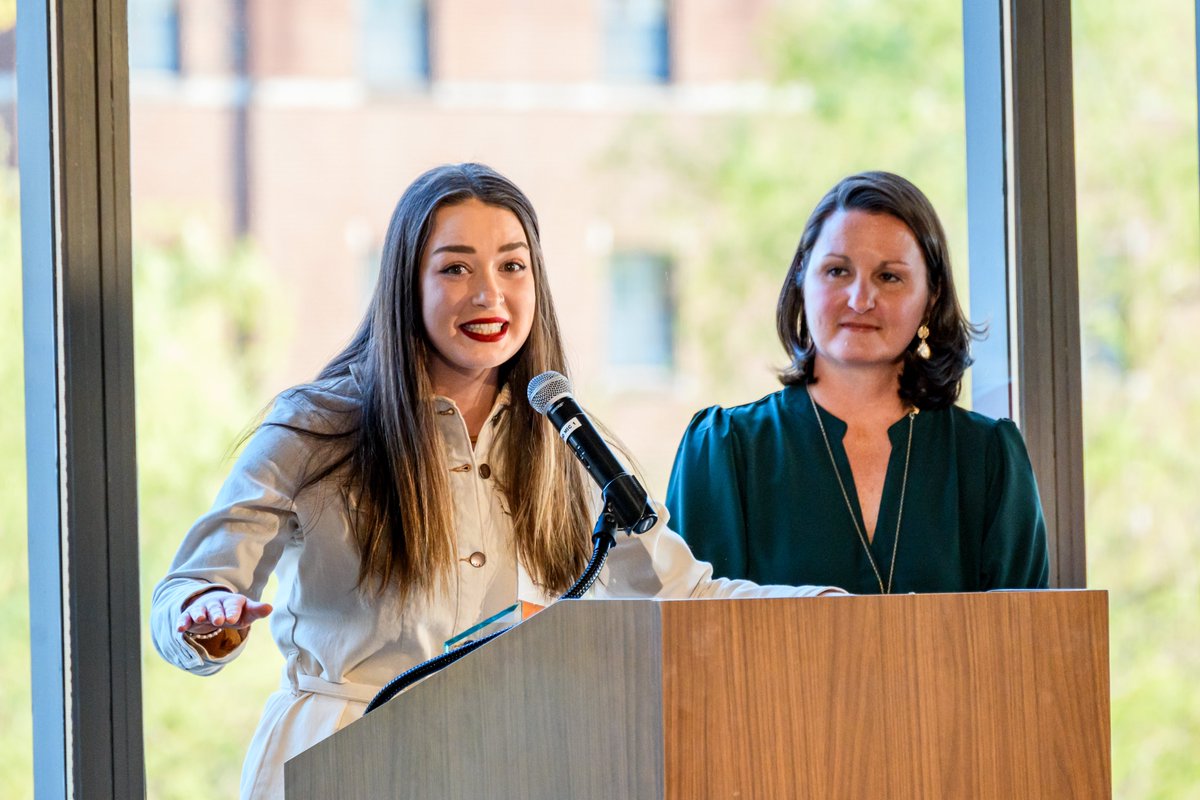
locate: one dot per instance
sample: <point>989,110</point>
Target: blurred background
<point>673,149</point>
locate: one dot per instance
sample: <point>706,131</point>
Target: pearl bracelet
<point>200,637</point>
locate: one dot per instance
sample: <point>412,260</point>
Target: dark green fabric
<point>753,492</point>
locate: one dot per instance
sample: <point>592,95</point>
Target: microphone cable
<point>603,541</point>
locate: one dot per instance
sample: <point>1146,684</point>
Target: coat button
<point>485,471</point>
<point>477,559</point>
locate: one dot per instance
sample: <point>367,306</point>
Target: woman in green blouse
<point>861,472</point>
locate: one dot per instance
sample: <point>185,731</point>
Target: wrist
<point>201,637</point>
<point>217,643</point>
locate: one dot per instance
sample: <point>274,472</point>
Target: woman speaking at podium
<point>861,472</point>
<point>409,492</point>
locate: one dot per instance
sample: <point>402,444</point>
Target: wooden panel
<point>913,696</point>
<point>566,706</point>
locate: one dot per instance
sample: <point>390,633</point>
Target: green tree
<point>863,88</point>
<point>204,331</point>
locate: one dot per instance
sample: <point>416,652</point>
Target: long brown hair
<point>926,383</point>
<point>392,455</point>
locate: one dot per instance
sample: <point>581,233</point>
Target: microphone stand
<point>604,537</point>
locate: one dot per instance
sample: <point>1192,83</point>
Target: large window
<point>266,193</point>
<point>709,175</point>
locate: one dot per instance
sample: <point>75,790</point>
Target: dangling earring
<point>923,348</point>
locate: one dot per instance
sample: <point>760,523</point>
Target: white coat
<point>342,644</point>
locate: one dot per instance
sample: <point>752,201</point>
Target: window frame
<point>85,619</point>
<point>1018,83</point>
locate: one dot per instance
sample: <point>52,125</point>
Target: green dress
<point>754,493</point>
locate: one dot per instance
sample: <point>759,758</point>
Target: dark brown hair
<point>393,455</point>
<point>926,383</point>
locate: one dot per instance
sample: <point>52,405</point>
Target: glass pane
<point>641,318</point>
<point>16,723</point>
<point>266,169</point>
<point>154,35</point>
<point>1138,211</point>
<point>203,347</point>
<point>636,40</point>
<point>395,42</point>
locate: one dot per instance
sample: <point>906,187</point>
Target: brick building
<point>299,123</point>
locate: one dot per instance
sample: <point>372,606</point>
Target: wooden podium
<point>1001,695</point>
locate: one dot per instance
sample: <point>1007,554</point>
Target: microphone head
<point>546,388</point>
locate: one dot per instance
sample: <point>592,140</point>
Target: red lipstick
<point>485,329</point>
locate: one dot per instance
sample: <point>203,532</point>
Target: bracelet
<point>200,637</point>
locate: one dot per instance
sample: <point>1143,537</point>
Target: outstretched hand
<point>206,612</point>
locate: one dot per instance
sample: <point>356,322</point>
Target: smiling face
<point>477,292</point>
<point>866,290</point>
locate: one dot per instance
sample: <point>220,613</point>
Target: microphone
<point>550,395</point>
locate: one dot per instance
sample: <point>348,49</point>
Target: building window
<point>636,41</point>
<point>395,42</point>
<point>153,35</point>
<point>642,317</point>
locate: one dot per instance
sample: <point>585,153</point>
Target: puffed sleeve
<point>704,494</point>
<point>237,544</point>
<point>1014,552</point>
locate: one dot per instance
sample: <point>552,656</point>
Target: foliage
<point>201,311</point>
<point>16,750</point>
<point>856,90</point>
<point>1135,110</point>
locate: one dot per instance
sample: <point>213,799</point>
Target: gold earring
<point>923,348</point>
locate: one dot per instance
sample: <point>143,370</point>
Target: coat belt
<point>354,692</point>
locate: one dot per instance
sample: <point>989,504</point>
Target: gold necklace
<point>862,537</point>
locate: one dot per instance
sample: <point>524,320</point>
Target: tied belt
<point>298,682</point>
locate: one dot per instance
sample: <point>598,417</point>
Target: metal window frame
<point>85,621</point>
<point>1021,203</point>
